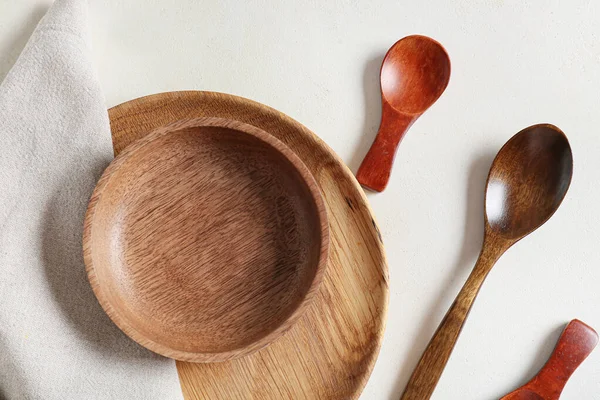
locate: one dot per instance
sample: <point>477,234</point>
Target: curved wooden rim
<point>130,151</point>
<point>129,119</point>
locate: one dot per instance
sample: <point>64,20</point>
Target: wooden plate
<point>330,352</point>
<point>206,240</point>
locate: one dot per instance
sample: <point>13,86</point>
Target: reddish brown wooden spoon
<point>414,73</point>
<point>574,345</point>
<point>527,182</point>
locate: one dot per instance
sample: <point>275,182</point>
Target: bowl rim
<point>321,213</point>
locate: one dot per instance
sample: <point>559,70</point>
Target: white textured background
<point>513,64</point>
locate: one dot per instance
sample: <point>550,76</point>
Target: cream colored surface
<point>513,64</point>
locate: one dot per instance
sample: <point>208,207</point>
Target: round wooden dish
<point>205,240</point>
<point>330,352</point>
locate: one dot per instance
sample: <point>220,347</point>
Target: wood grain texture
<point>206,240</point>
<point>574,345</point>
<point>527,182</point>
<point>414,74</point>
<point>330,352</point>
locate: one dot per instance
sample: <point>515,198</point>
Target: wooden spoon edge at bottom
<point>574,345</point>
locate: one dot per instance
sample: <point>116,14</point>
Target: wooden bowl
<point>206,240</point>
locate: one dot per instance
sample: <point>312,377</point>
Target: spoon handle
<point>433,361</point>
<point>574,345</point>
<point>374,172</point>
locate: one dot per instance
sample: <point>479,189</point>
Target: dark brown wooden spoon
<point>414,73</point>
<point>527,182</point>
<point>574,345</point>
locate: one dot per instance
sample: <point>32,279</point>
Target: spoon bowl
<point>528,180</point>
<point>414,74</point>
<point>526,184</point>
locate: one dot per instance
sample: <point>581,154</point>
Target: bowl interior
<point>204,240</point>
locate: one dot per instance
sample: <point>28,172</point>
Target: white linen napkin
<point>55,340</point>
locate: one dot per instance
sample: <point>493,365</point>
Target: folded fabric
<point>55,340</point>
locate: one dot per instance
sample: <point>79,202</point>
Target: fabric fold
<point>55,340</point>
